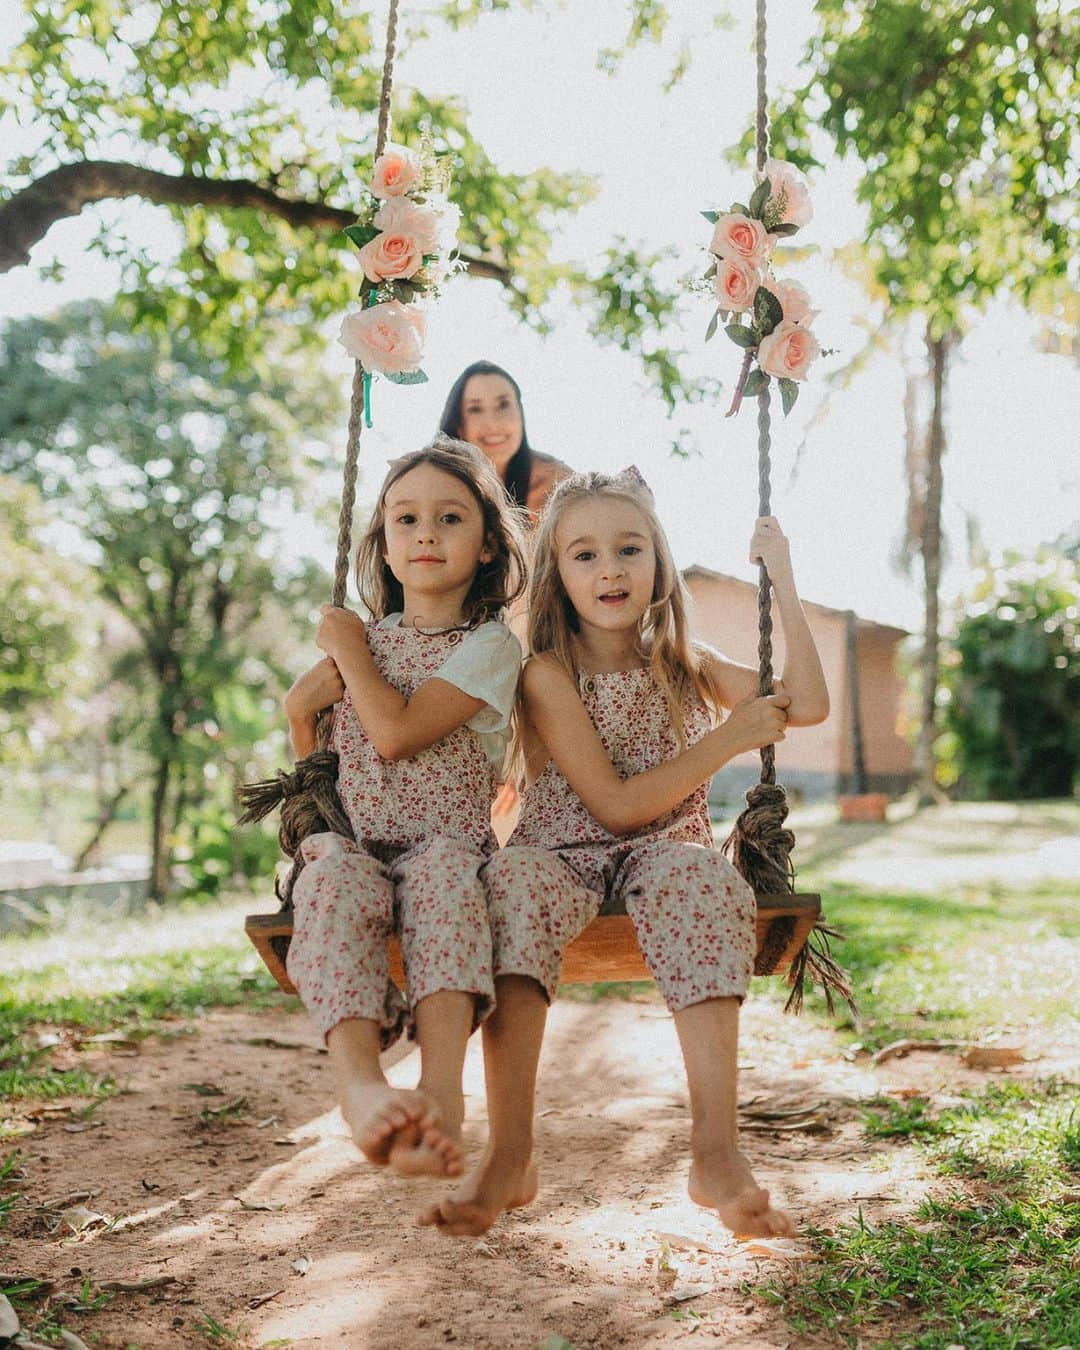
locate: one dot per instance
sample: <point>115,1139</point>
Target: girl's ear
<point>488,552</point>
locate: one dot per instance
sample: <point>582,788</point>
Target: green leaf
<point>756,381</point>
<point>784,229</point>
<point>361,234</point>
<point>714,323</point>
<point>710,273</point>
<point>789,392</point>
<point>737,208</point>
<point>411,377</point>
<point>768,311</point>
<point>741,335</point>
<point>760,197</point>
<point>711,217</point>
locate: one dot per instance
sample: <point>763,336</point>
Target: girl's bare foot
<point>401,1129</point>
<point>498,1183</point>
<point>723,1181</point>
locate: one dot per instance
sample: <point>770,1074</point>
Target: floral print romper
<point>422,830</point>
<point>694,914</point>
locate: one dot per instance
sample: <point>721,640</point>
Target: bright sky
<point>535,97</point>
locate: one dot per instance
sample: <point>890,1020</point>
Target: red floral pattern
<point>423,831</point>
<point>693,913</point>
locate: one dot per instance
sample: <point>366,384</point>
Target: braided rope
<point>762,107</point>
<point>759,846</point>
<point>356,406</point>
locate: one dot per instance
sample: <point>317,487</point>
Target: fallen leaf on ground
<point>485,1249</point>
<point>679,1242</point>
<point>137,1286</point>
<point>78,1218</point>
<point>793,1114</point>
<point>993,1056</point>
<point>897,1049</point>
<point>272,1043</point>
<point>817,1124</point>
<point>267,1205</point>
<point>116,1040</point>
<point>9,1320</point>
<point>203,1089</point>
<point>270,1120</point>
<point>302,1265</point>
<point>682,1293</point>
<point>260,1299</point>
<point>81,1126</point>
<point>776,1249</point>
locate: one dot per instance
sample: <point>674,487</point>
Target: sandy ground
<point>272,1229</point>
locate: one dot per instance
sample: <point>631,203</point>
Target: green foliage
<point>1012,725</point>
<point>283,99</point>
<point>171,465</point>
<point>41,596</point>
<point>991,1272</point>
<point>965,119</point>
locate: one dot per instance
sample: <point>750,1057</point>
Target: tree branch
<point>27,217</point>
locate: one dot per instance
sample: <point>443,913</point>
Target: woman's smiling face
<point>491,418</point>
<point>607,561</point>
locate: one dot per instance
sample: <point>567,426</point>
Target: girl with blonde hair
<point>622,730</point>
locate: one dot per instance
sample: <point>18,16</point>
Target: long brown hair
<point>497,583</point>
<point>664,637</point>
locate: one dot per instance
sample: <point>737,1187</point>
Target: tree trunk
<point>159,851</point>
<point>105,818</point>
<point>930,550</point>
<point>858,761</point>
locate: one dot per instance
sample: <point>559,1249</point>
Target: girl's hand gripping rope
<point>758,721</point>
<point>339,631</point>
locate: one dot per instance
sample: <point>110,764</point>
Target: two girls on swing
<point>619,731</point>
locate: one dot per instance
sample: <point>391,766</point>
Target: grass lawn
<point>988,1261</point>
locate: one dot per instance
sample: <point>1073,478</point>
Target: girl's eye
<point>450,518</point>
<point>584,556</point>
<point>630,550</point>
<point>407,519</point>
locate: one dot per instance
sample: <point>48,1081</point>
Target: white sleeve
<point>486,664</point>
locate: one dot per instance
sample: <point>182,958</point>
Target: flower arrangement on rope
<point>406,232</point>
<point>769,319</point>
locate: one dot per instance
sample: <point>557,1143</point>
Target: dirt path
<point>233,1205</point>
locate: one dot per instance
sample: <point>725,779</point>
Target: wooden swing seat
<point>607,950</point>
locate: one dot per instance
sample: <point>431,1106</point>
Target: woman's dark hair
<point>519,470</point>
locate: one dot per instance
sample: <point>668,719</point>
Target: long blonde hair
<point>664,637</point>
<point>497,583</point>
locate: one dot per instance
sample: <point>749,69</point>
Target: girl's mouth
<point>614,597</point>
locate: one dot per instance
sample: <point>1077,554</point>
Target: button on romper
<point>423,830</point>
<point>694,914</point>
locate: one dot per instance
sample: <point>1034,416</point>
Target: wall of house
<point>886,753</point>
<point>814,761</point>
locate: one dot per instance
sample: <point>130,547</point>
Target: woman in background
<point>484,408</point>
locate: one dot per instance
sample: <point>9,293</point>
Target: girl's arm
<point>803,679</point>
<point>398,727</point>
<point>318,688</point>
<point>621,805</point>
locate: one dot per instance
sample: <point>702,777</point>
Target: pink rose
<point>736,284</point>
<point>396,170</point>
<point>794,301</point>
<point>738,236</point>
<point>434,230</point>
<point>785,179</point>
<point>385,338</point>
<point>788,351</point>
<point>391,255</point>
